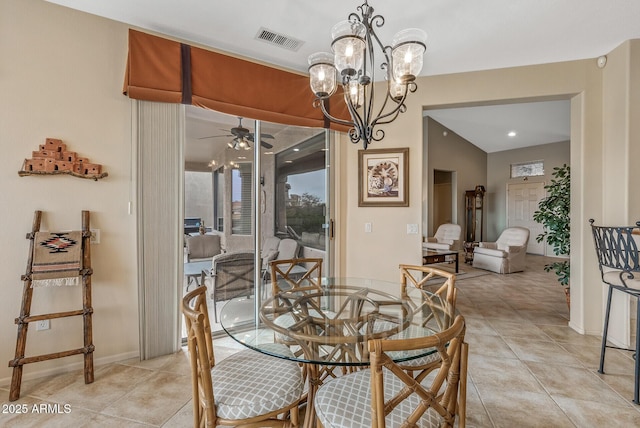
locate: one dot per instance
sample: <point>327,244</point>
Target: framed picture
<point>383,177</point>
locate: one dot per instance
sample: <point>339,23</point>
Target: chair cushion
<point>287,249</point>
<point>250,384</point>
<point>490,252</point>
<point>346,402</point>
<point>203,246</point>
<point>613,277</point>
<point>448,233</point>
<point>436,246</point>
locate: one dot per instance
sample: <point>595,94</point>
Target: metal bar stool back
<point>619,262</point>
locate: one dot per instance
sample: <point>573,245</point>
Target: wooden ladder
<point>25,317</point>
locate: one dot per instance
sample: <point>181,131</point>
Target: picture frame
<point>383,177</point>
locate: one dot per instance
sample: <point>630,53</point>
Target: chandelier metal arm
<point>326,113</point>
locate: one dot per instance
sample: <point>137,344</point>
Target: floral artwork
<point>383,177</point>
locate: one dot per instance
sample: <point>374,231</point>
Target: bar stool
<point>618,257</point>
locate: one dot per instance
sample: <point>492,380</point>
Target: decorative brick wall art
<point>53,158</point>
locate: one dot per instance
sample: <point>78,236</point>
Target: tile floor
<point>526,369</point>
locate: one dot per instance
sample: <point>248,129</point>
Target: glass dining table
<point>327,328</point>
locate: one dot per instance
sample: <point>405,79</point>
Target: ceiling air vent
<point>279,39</point>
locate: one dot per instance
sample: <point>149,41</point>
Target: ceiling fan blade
<point>269,136</point>
<point>266,145</point>
<point>215,136</point>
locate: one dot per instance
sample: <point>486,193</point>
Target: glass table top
<point>332,324</point>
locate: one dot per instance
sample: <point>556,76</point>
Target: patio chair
<point>231,276</point>
<point>619,262</point>
<point>385,395</point>
<point>247,388</point>
<point>202,247</point>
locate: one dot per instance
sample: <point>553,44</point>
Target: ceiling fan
<point>242,137</point>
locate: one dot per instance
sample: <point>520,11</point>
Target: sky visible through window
<point>312,183</point>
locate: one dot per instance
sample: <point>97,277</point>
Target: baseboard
<point>31,374</point>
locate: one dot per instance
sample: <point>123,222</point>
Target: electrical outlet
<point>95,236</point>
<point>43,325</point>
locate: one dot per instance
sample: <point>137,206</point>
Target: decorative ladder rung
<point>25,318</point>
<point>45,357</point>
<point>34,318</point>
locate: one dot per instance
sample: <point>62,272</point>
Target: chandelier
<point>352,64</point>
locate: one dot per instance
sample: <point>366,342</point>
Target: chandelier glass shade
<point>352,65</point>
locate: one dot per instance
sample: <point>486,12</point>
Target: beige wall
<point>61,77</point>
<point>453,153</point>
<point>498,176</point>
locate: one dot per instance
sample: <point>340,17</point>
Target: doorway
<point>444,200</point>
<point>522,202</point>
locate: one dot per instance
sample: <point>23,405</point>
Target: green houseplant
<point>553,214</point>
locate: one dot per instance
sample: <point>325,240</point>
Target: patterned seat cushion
<point>346,402</point>
<point>251,384</point>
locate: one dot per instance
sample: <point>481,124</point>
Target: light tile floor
<point>527,368</point>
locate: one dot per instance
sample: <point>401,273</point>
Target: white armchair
<point>447,237</point>
<point>506,255</point>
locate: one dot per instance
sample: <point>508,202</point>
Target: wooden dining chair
<point>437,309</point>
<point>385,395</point>
<point>246,389</point>
<point>442,291</point>
<point>302,274</point>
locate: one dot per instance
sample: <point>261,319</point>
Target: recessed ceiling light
<point>512,134</point>
<point>296,150</point>
<point>288,161</point>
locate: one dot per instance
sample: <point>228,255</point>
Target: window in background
<point>301,192</point>
<point>527,169</point>
<point>241,199</point>
<point>218,198</point>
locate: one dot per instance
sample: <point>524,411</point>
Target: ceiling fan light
<point>322,74</point>
<point>348,47</point>
<point>407,53</point>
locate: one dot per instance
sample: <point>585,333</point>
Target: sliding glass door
<point>253,185</point>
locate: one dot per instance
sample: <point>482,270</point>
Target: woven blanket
<point>57,259</point>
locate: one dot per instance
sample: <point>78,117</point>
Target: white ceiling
<point>488,127</point>
<point>463,35</point>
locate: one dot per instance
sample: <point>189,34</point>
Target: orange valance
<point>167,71</point>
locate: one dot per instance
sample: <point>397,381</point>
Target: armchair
<point>506,255</point>
<point>447,237</point>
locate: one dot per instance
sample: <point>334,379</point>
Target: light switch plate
<point>412,229</point>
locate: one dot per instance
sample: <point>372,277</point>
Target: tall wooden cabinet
<point>474,209</point>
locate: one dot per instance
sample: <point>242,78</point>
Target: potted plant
<point>553,214</point>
